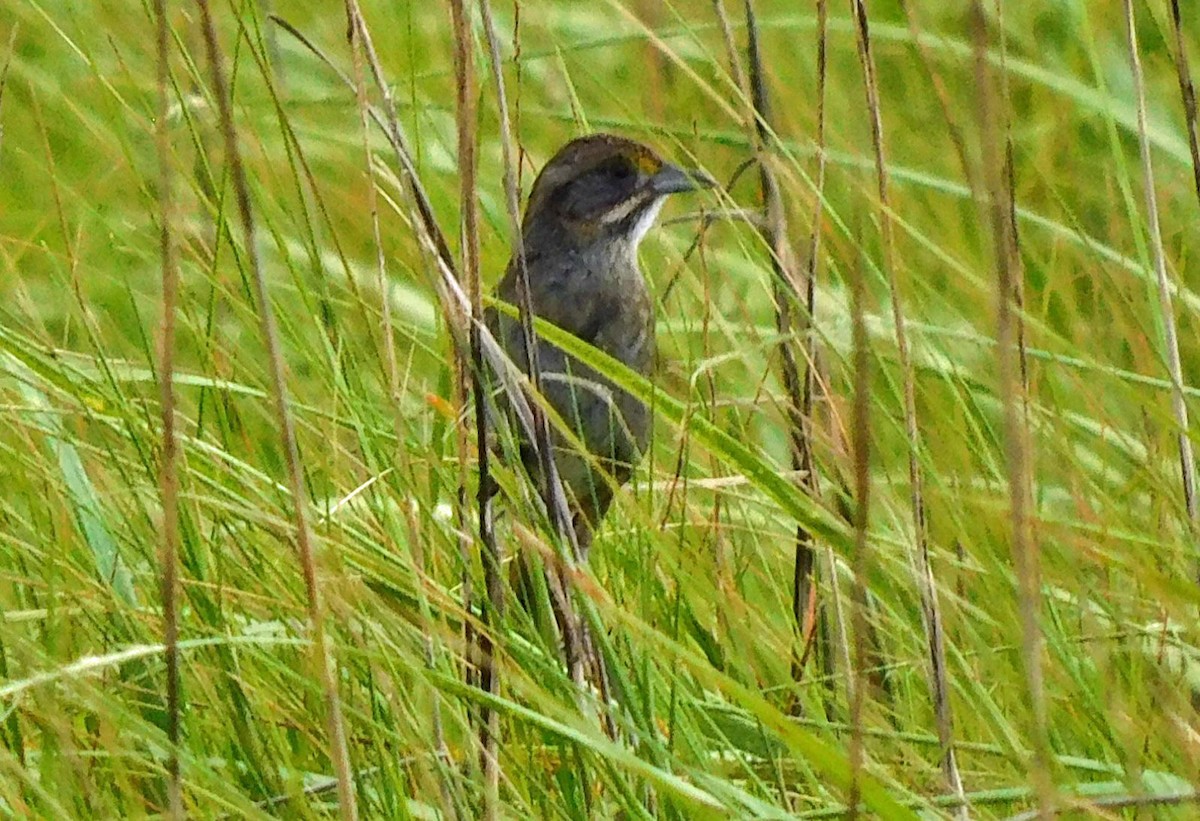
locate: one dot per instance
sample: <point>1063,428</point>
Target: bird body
<point>590,207</point>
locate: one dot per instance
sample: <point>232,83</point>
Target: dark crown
<point>603,180</point>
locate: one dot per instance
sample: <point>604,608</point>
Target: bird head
<point>604,187</point>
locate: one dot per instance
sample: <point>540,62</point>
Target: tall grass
<point>689,592</point>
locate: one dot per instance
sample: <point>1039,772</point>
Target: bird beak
<point>671,179</point>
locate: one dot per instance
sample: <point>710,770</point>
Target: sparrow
<point>590,207</point>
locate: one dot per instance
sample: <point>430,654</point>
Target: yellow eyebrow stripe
<point>648,164</point>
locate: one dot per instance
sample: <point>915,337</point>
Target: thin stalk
<point>861,443</point>
<point>1025,554</point>
<point>169,470</point>
<point>787,295</point>
<point>931,610</point>
<point>1187,91</point>
<point>1014,234</point>
<point>1187,461</point>
<point>926,583</point>
<point>830,633</point>
<point>736,71</point>
<point>867,61</point>
<point>818,625</point>
<point>465,118</point>
<point>347,801</point>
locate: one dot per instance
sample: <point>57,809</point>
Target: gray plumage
<point>588,210</point>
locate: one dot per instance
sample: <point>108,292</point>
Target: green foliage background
<point>692,572</point>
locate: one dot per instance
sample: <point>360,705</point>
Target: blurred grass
<point>692,581</point>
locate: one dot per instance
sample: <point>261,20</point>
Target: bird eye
<point>619,170</point>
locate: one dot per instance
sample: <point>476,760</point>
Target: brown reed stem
<point>1026,560</point>
<point>787,296</point>
<point>1187,90</point>
<point>169,470</point>
<point>861,443</point>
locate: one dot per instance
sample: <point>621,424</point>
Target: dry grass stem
<point>489,672</point>
<point>818,625</point>
<point>169,468</point>
<point>1187,461</point>
<point>861,561</point>
<point>789,322</point>
<point>926,583</point>
<point>1026,559</point>
<point>1187,91</point>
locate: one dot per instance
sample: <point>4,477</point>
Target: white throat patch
<point>646,221</point>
